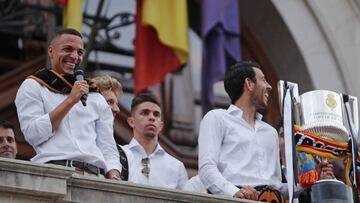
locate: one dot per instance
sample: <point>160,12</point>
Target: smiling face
<point>66,52</point>
<point>261,91</point>
<point>146,121</point>
<point>8,147</point>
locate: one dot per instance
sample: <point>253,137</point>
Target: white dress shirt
<point>165,170</point>
<point>85,134</point>
<point>233,153</point>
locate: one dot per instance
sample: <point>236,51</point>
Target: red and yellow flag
<point>161,40</point>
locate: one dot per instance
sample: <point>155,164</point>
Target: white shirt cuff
<point>113,165</point>
<point>230,189</point>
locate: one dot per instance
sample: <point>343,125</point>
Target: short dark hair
<point>6,124</point>
<point>235,77</point>
<point>142,97</point>
<point>69,31</point>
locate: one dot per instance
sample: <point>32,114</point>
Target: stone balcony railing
<point>26,182</point>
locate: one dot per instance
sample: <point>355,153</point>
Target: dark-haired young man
<point>148,162</point>
<point>8,147</point>
<point>53,120</point>
<point>238,152</point>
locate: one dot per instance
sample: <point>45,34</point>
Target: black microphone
<point>79,75</point>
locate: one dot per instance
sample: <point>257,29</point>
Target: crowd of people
<point>69,122</point>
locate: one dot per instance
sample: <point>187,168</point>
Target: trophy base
<point>327,191</point>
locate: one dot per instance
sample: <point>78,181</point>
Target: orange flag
<point>161,40</point>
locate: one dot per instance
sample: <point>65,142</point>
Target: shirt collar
<point>234,110</point>
<point>134,144</point>
<point>159,150</point>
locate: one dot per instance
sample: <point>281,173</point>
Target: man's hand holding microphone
<point>80,88</point>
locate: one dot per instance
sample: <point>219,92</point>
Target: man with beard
<point>238,152</point>
<point>148,162</point>
<point>63,130</point>
<point>8,148</point>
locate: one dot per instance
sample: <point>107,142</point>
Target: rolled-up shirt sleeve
<point>34,121</point>
<point>210,140</point>
<point>105,138</point>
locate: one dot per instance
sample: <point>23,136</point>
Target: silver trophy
<point>329,115</point>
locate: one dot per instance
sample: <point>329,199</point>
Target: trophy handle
<point>288,95</point>
<point>354,117</point>
<point>281,91</point>
<point>296,99</point>
<point>355,114</point>
<point>354,127</point>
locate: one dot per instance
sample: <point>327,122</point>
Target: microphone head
<point>78,73</point>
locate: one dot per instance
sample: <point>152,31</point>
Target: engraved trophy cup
<point>322,112</point>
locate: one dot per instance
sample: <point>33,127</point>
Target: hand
<point>326,170</point>
<point>247,192</point>
<point>113,174</point>
<point>79,89</point>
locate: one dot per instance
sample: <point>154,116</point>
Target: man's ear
<point>161,125</point>
<point>50,51</point>
<point>131,122</point>
<point>249,84</point>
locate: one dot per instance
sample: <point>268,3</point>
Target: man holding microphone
<point>62,129</point>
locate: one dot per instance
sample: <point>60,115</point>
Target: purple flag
<point>221,44</point>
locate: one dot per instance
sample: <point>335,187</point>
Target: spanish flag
<point>161,40</point>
